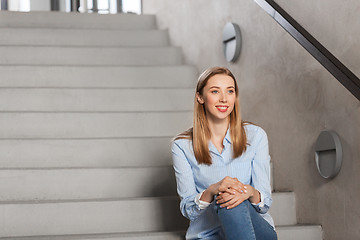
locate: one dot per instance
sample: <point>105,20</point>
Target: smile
<point>222,108</point>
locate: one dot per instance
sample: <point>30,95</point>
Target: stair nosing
<point>98,88</point>
<point>16,46</point>
<point>82,168</point>
<point>97,200</point>
<point>85,138</point>
<point>96,235</point>
<point>95,112</point>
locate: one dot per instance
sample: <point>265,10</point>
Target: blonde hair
<point>200,132</point>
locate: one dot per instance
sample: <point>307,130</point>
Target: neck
<point>218,129</point>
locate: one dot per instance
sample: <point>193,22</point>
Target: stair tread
<point>86,125</point>
<point>83,37</point>
<point>106,235</point>
<point>42,19</point>
<point>101,56</point>
<point>111,76</point>
<point>169,234</point>
<point>99,200</point>
<point>95,100</point>
<point>60,153</point>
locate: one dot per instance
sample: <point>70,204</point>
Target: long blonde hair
<point>200,132</point>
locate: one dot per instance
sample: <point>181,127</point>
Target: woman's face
<point>218,97</point>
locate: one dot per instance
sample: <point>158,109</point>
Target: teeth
<point>222,108</point>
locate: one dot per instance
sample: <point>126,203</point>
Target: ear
<point>199,98</point>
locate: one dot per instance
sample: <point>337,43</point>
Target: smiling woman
<point>222,166</point>
<point>218,98</point>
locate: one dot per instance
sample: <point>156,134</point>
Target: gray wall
<point>39,5</point>
<point>287,92</point>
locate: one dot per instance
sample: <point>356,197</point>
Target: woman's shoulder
<point>183,140</point>
<point>184,136</point>
<point>254,132</point>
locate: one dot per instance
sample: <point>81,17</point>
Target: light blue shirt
<point>252,167</point>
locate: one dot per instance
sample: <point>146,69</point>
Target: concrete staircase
<point>89,104</point>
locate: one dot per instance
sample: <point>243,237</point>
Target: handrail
<point>348,79</point>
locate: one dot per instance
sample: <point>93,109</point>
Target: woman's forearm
<point>255,196</point>
<point>208,195</point>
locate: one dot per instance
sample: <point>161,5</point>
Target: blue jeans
<point>244,223</point>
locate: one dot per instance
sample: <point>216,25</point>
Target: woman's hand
<point>229,201</point>
<point>229,185</point>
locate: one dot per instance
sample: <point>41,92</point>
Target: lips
<point>222,108</point>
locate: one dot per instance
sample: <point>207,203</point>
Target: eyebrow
<point>219,87</point>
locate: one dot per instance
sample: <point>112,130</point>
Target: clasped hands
<point>231,192</point>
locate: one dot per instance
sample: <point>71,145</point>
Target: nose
<point>223,97</point>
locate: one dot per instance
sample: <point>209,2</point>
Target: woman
<point>222,166</point>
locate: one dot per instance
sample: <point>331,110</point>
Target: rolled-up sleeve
<point>260,173</point>
<point>185,183</point>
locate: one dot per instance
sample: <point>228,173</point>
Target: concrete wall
<point>39,5</point>
<point>286,91</point>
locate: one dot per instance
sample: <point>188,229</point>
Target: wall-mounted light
<point>231,41</point>
<point>328,154</point>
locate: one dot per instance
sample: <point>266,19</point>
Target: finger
<point>235,204</point>
<point>225,199</point>
<point>240,190</point>
<point>229,203</point>
<point>220,201</point>
<point>228,190</point>
<point>226,184</point>
<point>222,194</point>
<point>236,184</point>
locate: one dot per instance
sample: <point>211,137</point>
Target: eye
<point>231,91</point>
<point>214,91</point>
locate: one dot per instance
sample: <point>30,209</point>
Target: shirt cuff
<point>261,203</point>
<point>201,204</point>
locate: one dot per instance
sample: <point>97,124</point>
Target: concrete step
<point>300,232</point>
<point>96,217</point>
<point>180,76</point>
<point>100,56</point>
<point>283,208</point>
<point>174,235</point>
<point>61,125</point>
<point>83,37</point>
<point>76,20</point>
<point>91,153</point>
<point>85,183</point>
<point>95,100</point>
<point>91,217</point>
<point>295,232</point>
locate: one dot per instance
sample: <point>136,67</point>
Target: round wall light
<point>328,154</point>
<point>231,41</point>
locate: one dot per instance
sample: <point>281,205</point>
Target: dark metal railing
<point>348,79</point>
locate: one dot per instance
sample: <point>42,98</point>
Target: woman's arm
<point>186,186</point>
<point>260,173</point>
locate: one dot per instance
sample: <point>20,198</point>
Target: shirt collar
<point>226,142</point>
<point>227,136</point>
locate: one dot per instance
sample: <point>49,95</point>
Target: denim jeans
<point>244,223</point>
